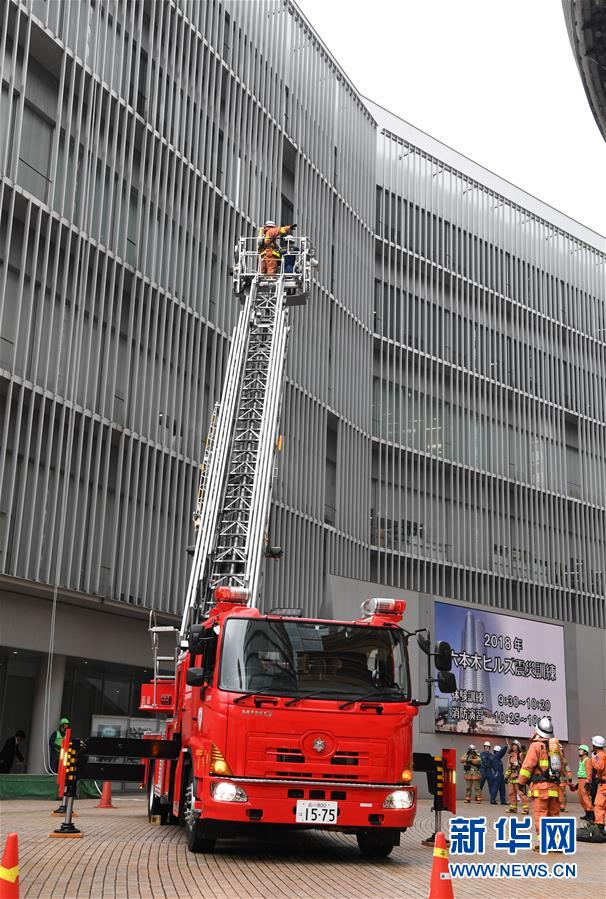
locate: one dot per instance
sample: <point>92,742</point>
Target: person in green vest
<point>54,744</point>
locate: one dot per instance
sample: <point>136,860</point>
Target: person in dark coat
<point>498,780</point>
<point>486,772</point>
<point>10,750</point>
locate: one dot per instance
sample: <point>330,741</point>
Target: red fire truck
<point>272,719</point>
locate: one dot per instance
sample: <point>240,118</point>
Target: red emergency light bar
<point>378,606</point>
<point>231,594</point>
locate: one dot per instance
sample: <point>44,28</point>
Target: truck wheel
<point>376,843</point>
<point>196,837</point>
<point>154,806</point>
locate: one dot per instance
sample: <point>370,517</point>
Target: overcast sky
<point>494,79</point>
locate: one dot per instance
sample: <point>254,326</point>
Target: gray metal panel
<point>444,412</point>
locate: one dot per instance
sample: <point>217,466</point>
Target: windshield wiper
<point>263,697</point>
<point>309,695</point>
<point>383,693</point>
<point>253,693</point>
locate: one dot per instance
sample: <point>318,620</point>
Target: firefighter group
<point>539,774</point>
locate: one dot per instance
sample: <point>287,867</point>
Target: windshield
<point>294,658</point>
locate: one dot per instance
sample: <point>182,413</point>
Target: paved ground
<point>123,857</point>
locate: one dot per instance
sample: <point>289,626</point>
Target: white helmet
<point>598,742</point>
<point>471,746</point>
<point>486,743</point>
<point>270,224</point>
<point>516,743</point>
<point>497,749</point>
<point>544,728</point>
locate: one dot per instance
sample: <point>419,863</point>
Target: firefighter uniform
<point>584,777</point>
<point>598,764</point>
<point>471,772</point>
<point>269,246</point>
<point>544,792</point>
<point>512,772</point>
<point>566,781</point>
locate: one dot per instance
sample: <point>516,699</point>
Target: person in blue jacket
<point>498,779</point>
<point>486,772</point>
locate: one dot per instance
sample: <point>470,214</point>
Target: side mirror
<point>199,639</point>
<point>446,682</point>
<point>195,677</point>
<point>443,656</point>
<point>423,641</point>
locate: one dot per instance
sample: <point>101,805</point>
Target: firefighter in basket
<point>269,246</point>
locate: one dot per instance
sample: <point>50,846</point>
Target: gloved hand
<point>587,787</point>
<point>574,787</point>
<point>293,226</point>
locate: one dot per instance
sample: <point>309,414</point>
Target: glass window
<point>295,658</point>
<point>34,153</point>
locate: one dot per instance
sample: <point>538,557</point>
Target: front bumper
<point>360,806</point>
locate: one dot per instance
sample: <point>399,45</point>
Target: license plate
<point>310,811</point>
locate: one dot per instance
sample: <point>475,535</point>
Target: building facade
<point>443,416</point>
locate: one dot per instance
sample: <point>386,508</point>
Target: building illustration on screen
<point>472,642</point>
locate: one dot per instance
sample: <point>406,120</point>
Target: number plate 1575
<point>310,811</point>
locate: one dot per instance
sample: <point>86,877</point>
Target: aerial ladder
<point>236,479</point>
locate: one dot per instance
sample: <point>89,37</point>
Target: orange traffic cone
<point>9,869</point>
<point>106,796</point>
<point>441,884</point>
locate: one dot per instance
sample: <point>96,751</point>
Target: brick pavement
<point>123,857</point>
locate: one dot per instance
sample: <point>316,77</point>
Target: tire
<point>376,843</point>
<point>154,806</point>
<point>196,837</point>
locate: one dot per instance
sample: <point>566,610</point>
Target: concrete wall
<point>25,623</point>
<point>585,658</point>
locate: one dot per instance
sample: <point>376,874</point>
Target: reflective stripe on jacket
<point>268,240</point>
<point>513,765</point>
<point>471,764</point>
<point>599,765</point>
<point>534,767</point>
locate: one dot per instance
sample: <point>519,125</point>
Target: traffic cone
<point>441,885</point>
<point>9,869</point>
<point>106,796</point>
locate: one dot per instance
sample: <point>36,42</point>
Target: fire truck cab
<point>294,722</point>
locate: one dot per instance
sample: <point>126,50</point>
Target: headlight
<point>223,791</point>
<point>399,799</point>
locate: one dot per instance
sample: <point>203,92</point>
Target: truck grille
<point>283,756</point>
<point>345,758</point>
<point>286,755</point>
<point>292,755</point>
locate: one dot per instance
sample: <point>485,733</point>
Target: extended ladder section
<point>234,499</point>
<point>208,448</point>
